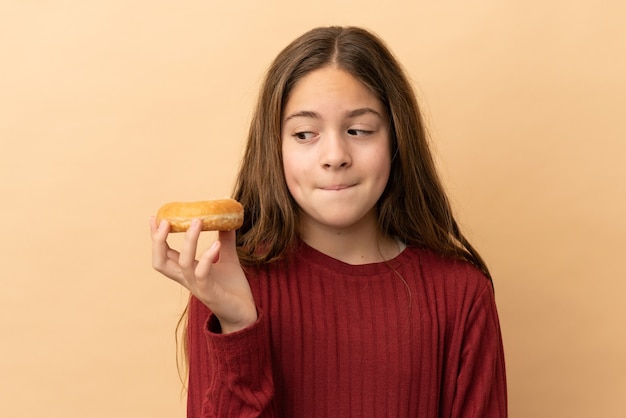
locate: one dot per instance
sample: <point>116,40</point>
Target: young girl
<point>349,291</point>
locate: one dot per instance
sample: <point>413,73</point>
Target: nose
<point>335,152</point>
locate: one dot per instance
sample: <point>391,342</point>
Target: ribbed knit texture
<point>417,336</point>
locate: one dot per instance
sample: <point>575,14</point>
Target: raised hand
<point>216,278</point>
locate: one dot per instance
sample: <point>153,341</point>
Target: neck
<point>358,244</point>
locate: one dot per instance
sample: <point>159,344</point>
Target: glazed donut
<point>216,215</point>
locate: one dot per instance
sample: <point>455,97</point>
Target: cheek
<point>295,162</point>
<point>290,170</point>
<point>288,173</point>
<point>293,179</point>
<point>384,166</point>
<point>384,179</point>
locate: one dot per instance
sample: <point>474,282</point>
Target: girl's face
<point>336,150</point>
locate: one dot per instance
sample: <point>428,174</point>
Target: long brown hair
<point>413,207</point>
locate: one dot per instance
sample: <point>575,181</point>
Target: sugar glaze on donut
<point>216,215</point>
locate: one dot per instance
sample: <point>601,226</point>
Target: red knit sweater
<point>415,337</point>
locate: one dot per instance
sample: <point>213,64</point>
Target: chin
<point>344,223</point>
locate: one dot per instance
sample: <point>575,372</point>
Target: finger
<point>173,255</point>
<point>208,258</point>
<point>160,247</point>
<point>155,227</point>
<point>164,258</point>
<point>228,243</point>
<point>187,257</point>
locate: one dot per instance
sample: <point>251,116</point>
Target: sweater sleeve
<point>230,375</point>
<point>481,383</point>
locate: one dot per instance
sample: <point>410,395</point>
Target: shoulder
<point>437,264</point>
<point>455,292</point>
<point>448,276</point>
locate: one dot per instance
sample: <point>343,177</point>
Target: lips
<point>336,187</point>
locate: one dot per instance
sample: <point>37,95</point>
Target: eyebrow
<point>314,115</point>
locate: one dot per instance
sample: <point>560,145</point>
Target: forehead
<point>330,88</point>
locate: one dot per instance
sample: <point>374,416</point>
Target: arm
<point>481,383</point>
<point>230,375</point>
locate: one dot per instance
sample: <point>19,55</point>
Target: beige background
<point>110,108</point>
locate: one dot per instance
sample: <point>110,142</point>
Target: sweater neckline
<point>309,254</point>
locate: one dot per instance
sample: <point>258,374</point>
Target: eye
<point>304,136</point>
<point>359,132</point>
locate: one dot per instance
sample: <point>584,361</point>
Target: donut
<point>216,215</point>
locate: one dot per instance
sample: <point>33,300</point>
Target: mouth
<point>337,187</point>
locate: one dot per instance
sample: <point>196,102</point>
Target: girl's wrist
<point>230,327</point>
